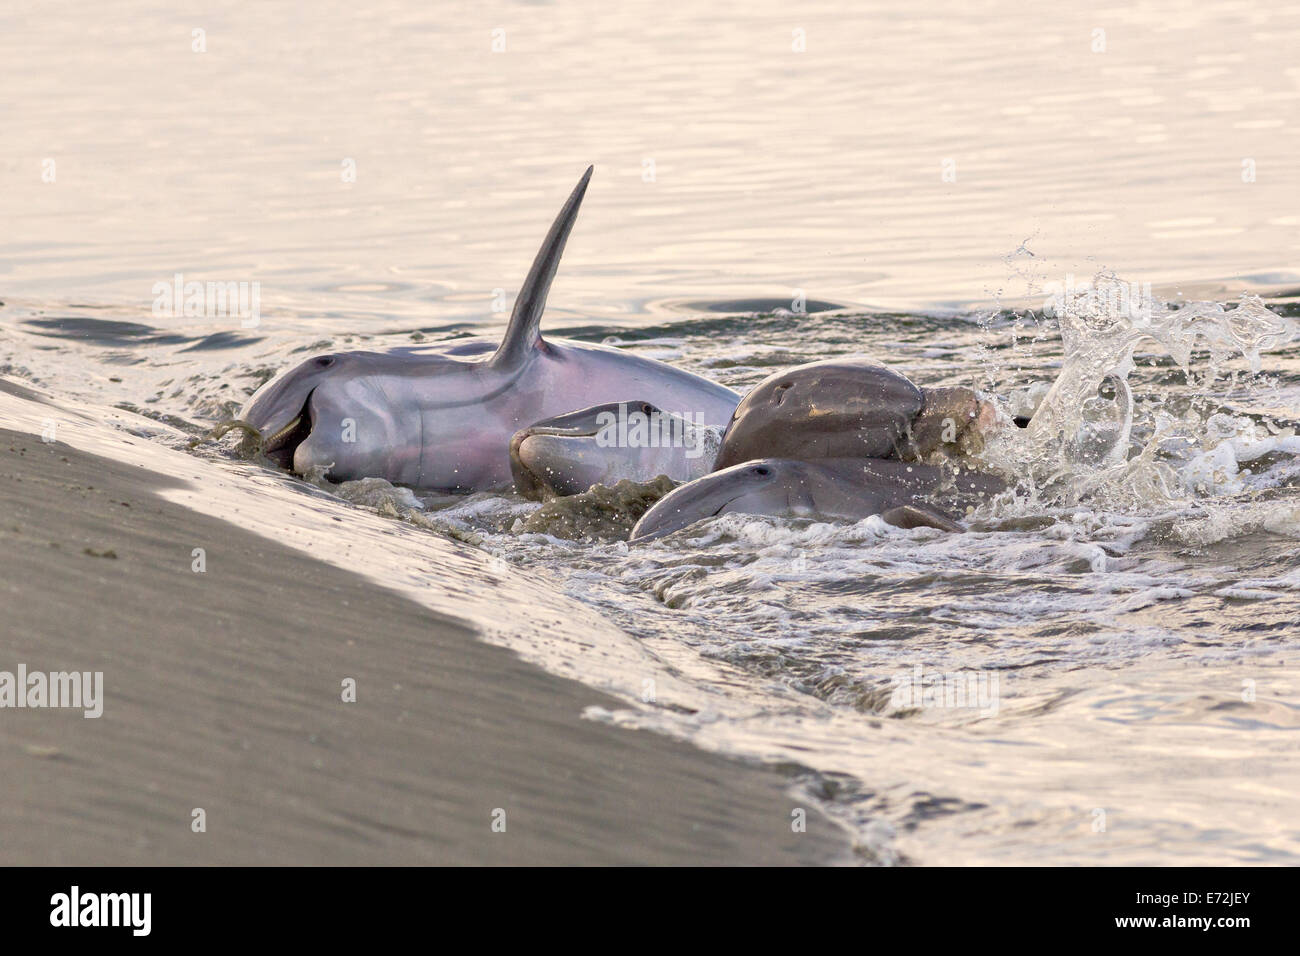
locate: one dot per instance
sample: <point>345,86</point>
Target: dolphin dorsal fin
<point>523,335</point>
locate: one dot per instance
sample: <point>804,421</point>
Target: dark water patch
<point>13,388</point>
<point>127,358</point>
<point>926,807</point>
<point>222,340</point>
<point>828,327</point>
<point>451,330</point>
<point>107,332</point>
<point>314,347</point>
<point>175,421</point>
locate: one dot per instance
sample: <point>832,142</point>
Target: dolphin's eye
<point>762,470</point>
<point>647,408</point>
<point>325,361</point>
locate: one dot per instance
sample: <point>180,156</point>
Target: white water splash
<point>1078,445</point>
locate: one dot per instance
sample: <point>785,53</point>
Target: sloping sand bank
<point>222,692</point>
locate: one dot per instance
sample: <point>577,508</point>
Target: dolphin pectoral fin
<point>523,335</point>
<point>915,516</point>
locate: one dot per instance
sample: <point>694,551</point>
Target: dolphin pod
<point>837,408</point>
<point>444,418</point>
<point>843,438</point>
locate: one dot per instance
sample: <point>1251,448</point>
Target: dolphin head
<point>328,412</point>
<point>843,407</point>
<point>770,486</point>
<point>569,453</point>
<point>281,411</point>
<point>837,488</point>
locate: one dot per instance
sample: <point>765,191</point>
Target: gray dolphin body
<point>838,408</point>
<point>567,454</point>
<point>842,438</point>
<point>906,495</point>
<point>444,419</point>
<point>846,408</point>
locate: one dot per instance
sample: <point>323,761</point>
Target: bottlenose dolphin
<point>848,408</point>
<point>567,454</point>
<point>841,438</point>
<point>443,419</point>
<point>830,409</point>
<point>903,494</point>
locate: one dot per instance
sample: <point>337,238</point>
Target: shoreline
<point>222,692</point>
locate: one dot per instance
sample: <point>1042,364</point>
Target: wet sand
<point>223,691</point>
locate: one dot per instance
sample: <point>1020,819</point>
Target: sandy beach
<point>222,691</point>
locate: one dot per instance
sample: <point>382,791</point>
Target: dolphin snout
<point>668,515</point>
<point>703,498</point>
<point>535,463</point>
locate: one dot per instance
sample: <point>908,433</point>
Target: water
<point>1135,610</point>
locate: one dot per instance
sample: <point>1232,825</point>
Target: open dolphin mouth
<point>281,445</point>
